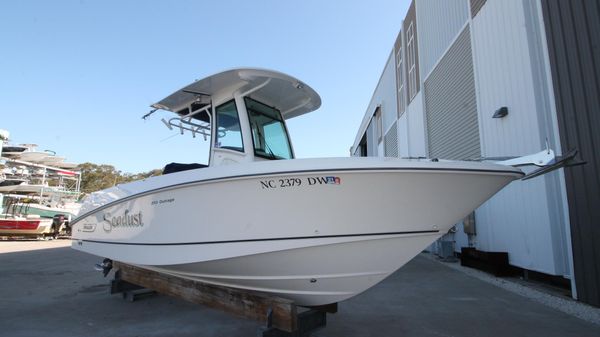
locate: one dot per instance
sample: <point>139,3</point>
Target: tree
<point>127,177</point>
<point>96,177</point>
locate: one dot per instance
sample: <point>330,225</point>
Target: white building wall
<point>520,219</point>
<point>438,24</point>
<point>385,94</point>
<point>385,97</point>
<point>505,79</point>
<point>460,238</point>
<point>417,145</point>
<point>526,219</point>
<point>411,125</point>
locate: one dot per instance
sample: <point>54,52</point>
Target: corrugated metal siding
<point>391,142</point>
<point>439,23</point>
<point>450,104</point>
<point>476,6</point>
<point>573,34</point>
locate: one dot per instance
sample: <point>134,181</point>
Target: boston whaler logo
<point>125,220</point>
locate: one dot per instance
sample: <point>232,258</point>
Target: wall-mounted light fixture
<point>500,113</point>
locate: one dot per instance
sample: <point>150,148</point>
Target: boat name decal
<point>163,201</point>
<point>125,220</point>
<point>88,227</point>
<point>295,182</point>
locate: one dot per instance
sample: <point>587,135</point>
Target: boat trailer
<point>281,317</point>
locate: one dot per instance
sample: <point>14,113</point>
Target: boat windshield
<point>229,134</point>
<point>269,134</point>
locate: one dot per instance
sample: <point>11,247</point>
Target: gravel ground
<point>566,305</point>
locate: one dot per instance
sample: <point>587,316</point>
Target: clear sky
<point>76,76</point>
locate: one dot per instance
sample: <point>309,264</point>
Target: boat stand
<point>282,318</point>
<point>131,292</point>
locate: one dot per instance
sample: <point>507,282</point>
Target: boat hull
<point>320,272</point>
<point>25,227</point>
<point>276,232</point>
<point>43,211</point>
<point>32,156</point>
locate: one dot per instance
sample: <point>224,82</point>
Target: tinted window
<point>229,134</point>
<point>269,134</point>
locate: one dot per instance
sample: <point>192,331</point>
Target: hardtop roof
<point>286,93</point>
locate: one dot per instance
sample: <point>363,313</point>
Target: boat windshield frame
<point>271,116</point>
<point>226,124</point>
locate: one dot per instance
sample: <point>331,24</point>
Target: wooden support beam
<point>308,322</point>
<point>243,303</point>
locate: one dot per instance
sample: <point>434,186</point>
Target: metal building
<point>473,78</point>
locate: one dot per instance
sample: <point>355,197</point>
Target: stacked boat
<point>30,154</point>
<point>38,192</point>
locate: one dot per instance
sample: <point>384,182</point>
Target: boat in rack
<point>69,209</point>
<point>258,219</point>
<point>15,151</point>
<point>65,165</point>
<point>22,187</point>
<point>11,181</point>
<point>37,200</point>
<point>32,156</point>
<point>8,148</point>
<point>31,226</point>
<point>29,153</point>
<point>38,215</point>
<point>52,160</point>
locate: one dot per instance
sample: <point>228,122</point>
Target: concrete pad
<point>13,246</point>
<point>55,292</point>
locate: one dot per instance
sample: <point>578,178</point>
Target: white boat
<point>65,165</point>
<point>68,209</point>
<point>316,231</point>
<point>30,188</point>
<point>32,156</point>
<point>30,226</point>
<point>11,181</point>
<point>29,153</point>
<point>15,151</point>
<point>7,148</point>
<point>22,170</point>
<point>52,160</point>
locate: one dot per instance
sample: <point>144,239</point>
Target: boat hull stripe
<point>258,240</point>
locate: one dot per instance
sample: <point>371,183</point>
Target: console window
<point>269,134</point>
<point>229,134</point>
